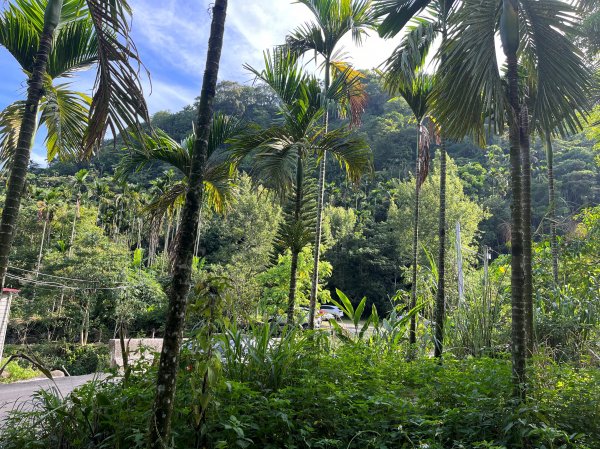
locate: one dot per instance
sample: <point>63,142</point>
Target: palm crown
<point>88,34</point>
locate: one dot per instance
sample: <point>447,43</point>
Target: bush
<point>348,397</point>
<point>75,359</point>
<point>14,372</point>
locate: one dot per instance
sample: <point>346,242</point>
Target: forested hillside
<point>324,257</point>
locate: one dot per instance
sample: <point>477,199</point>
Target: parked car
<point>301,319</point>
<point>330,312</point>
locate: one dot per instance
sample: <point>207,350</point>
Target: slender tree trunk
<point>415,256</point>
<point>18,172</point>
<point>73,227</point>
<point>160,422</point>
<point>440,297</point>
<point>552,207</point>
<point>295,252</point>
<point>527,250</point>
<point>517,275</point>
<point>314,288</point>
<point>197,243</point>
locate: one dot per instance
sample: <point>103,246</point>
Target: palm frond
<point>555,66</point>
<point>19,36</point>
<point>333,20</point>
<point>10,126</point>
<point>75,48</point>
<point>306,38</point>
<point>347,91</point>
<point>350,150</point>
<point>410,55</point>
<point>469,85</point>
<point>145,149</point>
<point>396,14</point>
<point>282,73</point>
<point>65,114</point>
<point>118,102</point>
<point>416,91</point>
<point>168,201</point>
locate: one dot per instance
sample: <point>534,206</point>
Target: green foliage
<point>357,397</point>
<point>14,372</point>
<point>276,281</point>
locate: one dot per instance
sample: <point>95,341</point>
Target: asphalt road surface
<point>19,394</point>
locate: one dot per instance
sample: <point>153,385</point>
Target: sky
<point>171,37</point>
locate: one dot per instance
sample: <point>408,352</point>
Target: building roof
<point>10,290</point>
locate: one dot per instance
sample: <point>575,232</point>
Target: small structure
<point>5,300</point>
<point>136,349</point>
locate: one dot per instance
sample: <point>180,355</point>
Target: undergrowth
<point>351,396</point>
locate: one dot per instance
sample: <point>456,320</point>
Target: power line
<point>61,286</point>
<point>60,277</point>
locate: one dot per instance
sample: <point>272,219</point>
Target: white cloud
<point>175,33</point>
<point>167,95</point>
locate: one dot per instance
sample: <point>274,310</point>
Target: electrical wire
<point>59,277</point>
<point>61,286</point>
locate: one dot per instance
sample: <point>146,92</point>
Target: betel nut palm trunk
<point>299,190</point>
<point>510,42</point>
<point>440,297</point>
<point>412,337</point>
<point>18,172</point>
<point>314,288</point>
<point>527,246</point>
<point>160,421</point>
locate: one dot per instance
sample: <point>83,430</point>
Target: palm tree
<point>334,19</point>
<point>219,172</point>
<point>471,87</point>
<point>78,182</point>
<point>55,39</point>
<point>160,423</point>
<point>407,59</point>
<point>416,91</point>
<point>280,152</point>
<point>552,205</point>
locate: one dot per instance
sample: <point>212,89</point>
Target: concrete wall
<point>136,348</point>
<point>4,314</point>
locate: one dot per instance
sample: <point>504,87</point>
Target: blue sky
<point>172,35</point>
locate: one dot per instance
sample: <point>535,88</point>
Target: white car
<point>330,312</point>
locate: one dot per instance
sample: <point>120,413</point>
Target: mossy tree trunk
<point>160,422</point>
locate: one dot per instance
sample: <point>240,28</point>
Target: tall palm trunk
<point>295,252</point>
<point>18,172</point>
<point>527,251</point>
<point>552,207</point>
<point>314,288</point>
<point>510,43</point>
<point>440,297</point>
<point>72,240</point>
<point>160,422</point>
<point>412,337</point>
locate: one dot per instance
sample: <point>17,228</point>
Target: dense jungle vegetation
<point>448,205</point>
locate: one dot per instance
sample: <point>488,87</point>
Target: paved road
<point>19,394</point>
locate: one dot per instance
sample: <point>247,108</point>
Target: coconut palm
<point>333,19</point>
<point>160,422</point>
<point>279,153</point>
<point>535,35</point>
<point>53,39</point>
<point>430,22</point>
<point>219,172</point>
